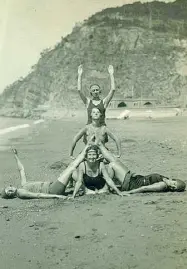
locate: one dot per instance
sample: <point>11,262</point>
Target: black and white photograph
<point>93,134</point>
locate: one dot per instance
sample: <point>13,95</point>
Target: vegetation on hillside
<point>144,42</point>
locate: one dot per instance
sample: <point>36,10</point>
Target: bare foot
<point>88,192</point>
<point>104,190</point>
<point>14,151</point>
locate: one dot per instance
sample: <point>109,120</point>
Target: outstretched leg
<point>106,153</point>
<point>60,185</point>
<point>20,168</point>
<point>116,168</point>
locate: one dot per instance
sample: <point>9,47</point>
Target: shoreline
<point>53,114</point>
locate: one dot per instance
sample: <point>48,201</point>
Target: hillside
<point>146,43</point>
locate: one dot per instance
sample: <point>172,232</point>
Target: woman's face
<point>92,156</point>
<point>10,191</point>
<point>171,183</point>
<point>95,114</point>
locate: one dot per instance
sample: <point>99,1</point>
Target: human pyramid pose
<point>88,169</point>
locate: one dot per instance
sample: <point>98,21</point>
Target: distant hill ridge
<point>146,43</point>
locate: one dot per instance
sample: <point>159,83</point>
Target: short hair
<point>181,185</point>
<point>5,196</point>
<point>93,86</point>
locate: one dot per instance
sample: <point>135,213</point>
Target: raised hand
<point>111,69</point>
<point>80,70</point>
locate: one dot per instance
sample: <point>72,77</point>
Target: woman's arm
<point>110,182</point>
<point>24,194</point>
<point>156,187</point>
<point>76,139</point>
<point>79,180</point>
<point>116,140</point>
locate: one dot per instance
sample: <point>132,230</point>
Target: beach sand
<point>104,231</point>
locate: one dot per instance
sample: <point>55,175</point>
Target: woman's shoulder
<point>21,192</point>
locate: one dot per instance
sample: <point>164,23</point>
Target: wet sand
<point>104,231</point>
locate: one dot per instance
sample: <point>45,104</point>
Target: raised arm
<point>116,140</point>
<point>110,95</point>
<point>79,85</point>
<point>76,139</point>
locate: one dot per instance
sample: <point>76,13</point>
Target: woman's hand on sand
<point>71,198</point>
<point>60,197</point>
<point>125,193</point>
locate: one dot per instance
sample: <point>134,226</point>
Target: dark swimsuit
<point>133,181</point>
<point>93,183</point>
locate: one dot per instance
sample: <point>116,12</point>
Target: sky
<point>27,27</point>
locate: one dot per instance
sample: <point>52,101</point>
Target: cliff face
<point>146,43</point>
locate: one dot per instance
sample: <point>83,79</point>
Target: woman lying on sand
<point>94,175</point>
<point>45,190</point>
<point>131,183</point>
<point>95,133</point>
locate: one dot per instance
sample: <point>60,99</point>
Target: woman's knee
<point>57,187</point>
<point>112,165</point>
<point>74,175</point>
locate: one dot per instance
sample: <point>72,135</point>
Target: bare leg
<point>107,154</point>
<point>116,168</point>
<point>119,170</point>
<point>20,168</point>
<point>73,179</point>
<point>66,175</point>
<point>58,187</point>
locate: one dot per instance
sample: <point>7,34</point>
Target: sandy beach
<point>141,231</point>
